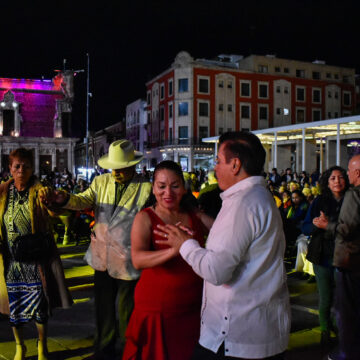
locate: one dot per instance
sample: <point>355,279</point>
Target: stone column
<point>69,158</point>
<point>53,158</point>
<point>73,158</point>
<point>37,160</point>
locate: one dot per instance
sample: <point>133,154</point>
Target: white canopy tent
<point>320,132</point>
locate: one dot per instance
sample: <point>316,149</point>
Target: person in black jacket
<point>334,183</point>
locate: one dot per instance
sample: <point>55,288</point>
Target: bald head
<point>354,170</point>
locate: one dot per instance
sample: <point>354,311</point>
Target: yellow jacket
<point>110,247</point>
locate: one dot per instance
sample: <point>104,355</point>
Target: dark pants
<point>114,302</point>
<point>347,306</point>
<point>325,283</point>
<point>201,353</point>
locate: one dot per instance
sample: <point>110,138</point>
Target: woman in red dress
<point>165,323</point>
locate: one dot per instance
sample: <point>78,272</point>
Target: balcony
<point>176,142</point>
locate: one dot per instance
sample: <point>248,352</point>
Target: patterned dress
<point>26,296</point>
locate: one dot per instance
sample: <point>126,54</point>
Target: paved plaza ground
<point>70,331</point>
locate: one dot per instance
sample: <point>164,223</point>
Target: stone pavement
<point>70,331</point>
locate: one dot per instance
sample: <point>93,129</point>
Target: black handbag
<point>31,248</point>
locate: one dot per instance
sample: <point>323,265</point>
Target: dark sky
<point>131,41</point>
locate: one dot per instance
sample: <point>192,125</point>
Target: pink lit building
<point>36,114</point>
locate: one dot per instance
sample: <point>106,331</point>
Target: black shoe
<point>311,279</point>
<point>336,355</point>
<point>325,338</point>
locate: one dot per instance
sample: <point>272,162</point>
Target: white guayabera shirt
<point>245,298</point>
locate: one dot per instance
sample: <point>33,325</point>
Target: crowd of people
<point>186,267</point>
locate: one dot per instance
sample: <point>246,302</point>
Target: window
<point>171,90</point>
<point>183,85</point>
<point>316,75</point>
<point>203,132</point>
<point>245,111</point>
<point>316,96</point>
<point>329,95</point>
<point>263,68</point>
<point>286,90</point>
<point>336,95</point>
<point>162,113</point>
<point>9,122</point>
<point>336,114</point>
<point>221,83</point>
<point>149,97</point>
<point>336,76</point>
<point>183,108</point>
<point>263,112</point>
<point>221,130</point>
<point>278,89</point>
<point>277,69</point>
<point>203,109</point>
<point>316,115</point>
<point>328,75</point>
<point>229,84</point>
<point>346,79</point>
<point>300,73</point>
<point>245,88</point>
<point>183,134</point>
<point>278,111</point>
<point>347,98</point>
<point>203,86</point>
<point>229,107</point>
<point>300,115</point>
<point>286,70</point>
<point>221,107</point>
<point>170,111</point>
<point>170,135</point>
<point>329,115</point>
<point>263,91</point>
<point>162,91</point>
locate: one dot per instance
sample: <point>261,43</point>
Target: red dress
<point>165,323</point>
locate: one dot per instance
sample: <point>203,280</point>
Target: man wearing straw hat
<point>116,199</point>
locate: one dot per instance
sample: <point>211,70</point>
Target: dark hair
<point>22,154</point>
<point>324,180</point>
<point>298,192</point>
<point>245,146</point>
<point>172,166</point>
<point>188,201</point>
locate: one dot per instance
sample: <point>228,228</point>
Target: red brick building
<point>200,98</point>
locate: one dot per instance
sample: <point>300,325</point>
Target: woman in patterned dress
<point>28,290</point>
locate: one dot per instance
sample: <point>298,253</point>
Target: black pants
<point>114,302</point>
<point>347,307</point>
<point>201,353</point>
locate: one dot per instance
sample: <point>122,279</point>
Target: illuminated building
<point>136,124</point>
<point>198,98</point>
<point>36,114</point>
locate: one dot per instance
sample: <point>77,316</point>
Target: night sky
<point>129,42</point>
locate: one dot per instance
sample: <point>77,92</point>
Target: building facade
<point>136,124</point>
<point>36,114</point>
<point>98,146</point>
<point>194,99</point>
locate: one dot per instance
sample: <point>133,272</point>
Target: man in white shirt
<point>245,311</point>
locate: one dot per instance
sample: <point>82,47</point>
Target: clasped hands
<point>321,222</point>
<point>50,197</point>
<point>175,235</point>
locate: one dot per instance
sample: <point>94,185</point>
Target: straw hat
<point>121,155</point>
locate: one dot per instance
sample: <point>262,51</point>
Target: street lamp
<point>88,95</point>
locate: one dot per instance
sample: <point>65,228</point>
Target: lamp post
<point>88,94</point>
